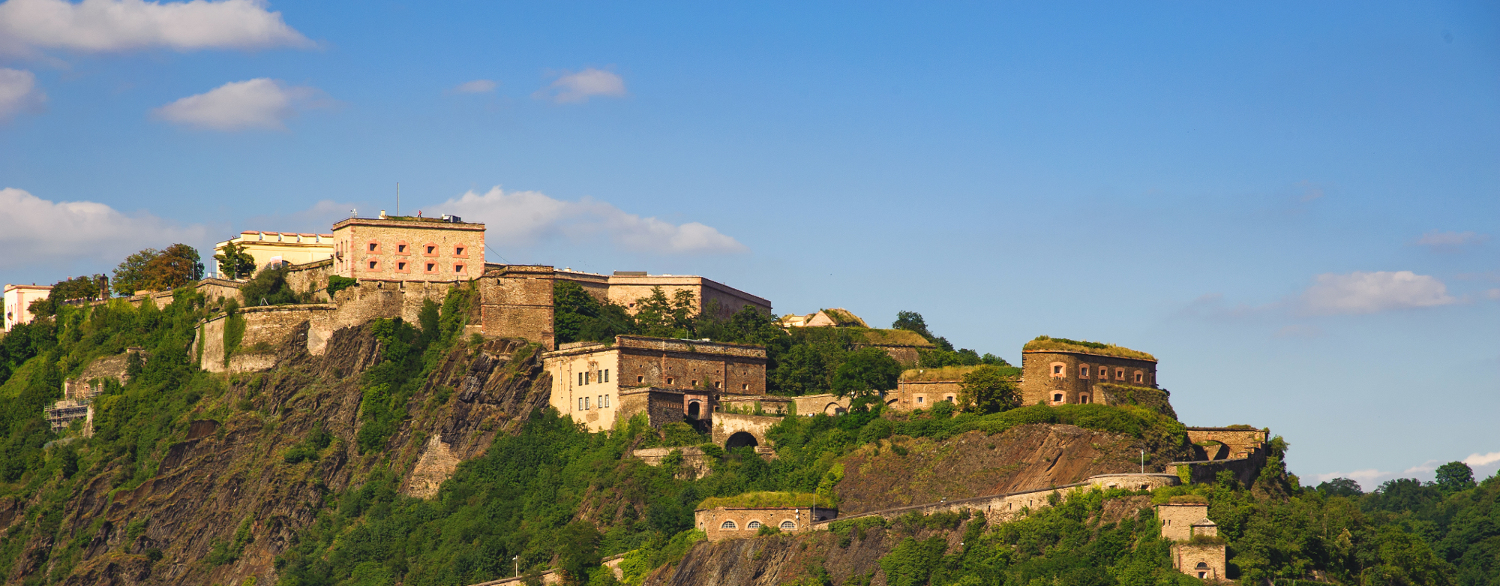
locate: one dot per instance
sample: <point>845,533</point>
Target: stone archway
<point>741,439</point>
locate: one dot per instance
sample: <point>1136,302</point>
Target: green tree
<point>578,316</point>
<point>658,316</point>
<point>912,321</point>
<point>176,266</point>
<point>269,287</point>
<point>153,269</point>
<point>1344,487</point>
<point>235,262</point>
<point>865,372</point>
<point>131,275</point>
<point>1453,477</point>
<point>987,389</point>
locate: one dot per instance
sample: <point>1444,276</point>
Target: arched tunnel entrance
<point>741,439</point>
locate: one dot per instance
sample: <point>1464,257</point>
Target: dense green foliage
<point>988,389</point>
<point>269,287</point>
<point>864,372</point>
<point>578,317</point>
<point>408,355</point>
<point>1065,544</point>
<point>234,262</point>
<point>337,283</point>
<point>133,423</point>
<point>158,270</point>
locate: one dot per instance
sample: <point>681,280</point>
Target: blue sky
<point>1293,206</point>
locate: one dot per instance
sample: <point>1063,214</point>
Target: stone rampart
<point>911,395</point>
<point>721,523</point>
<point>826,403</point>
<point>311,278</point>
<point>215,289</point>
<point>695,464</point>
<point>1245,470</point>
<point>1204,561</point>
<point>751,404</point>
<point>1056,377</point>
<point>516,302</point>
<point>267,329</point>
<point>1004,507</point>
<point>731,429</point>
<point>1241,443</point>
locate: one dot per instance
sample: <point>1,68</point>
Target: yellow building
<point>269,247</point>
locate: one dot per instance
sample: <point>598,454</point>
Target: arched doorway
<point>694,409</point>
<point>741,439</point>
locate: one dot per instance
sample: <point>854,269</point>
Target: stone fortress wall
<point>721,523</point>
<point>408,249</point>
<point>1055,377</point>
<point>627,287</point>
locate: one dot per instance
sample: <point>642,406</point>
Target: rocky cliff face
<point>226,500</point>
<point>915,471</point>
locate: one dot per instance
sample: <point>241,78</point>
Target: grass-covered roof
<point>766,499</point>
<point>1042,343</point>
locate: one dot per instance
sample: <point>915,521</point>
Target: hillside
<point>408,455</point>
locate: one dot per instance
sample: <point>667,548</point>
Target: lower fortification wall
<point>1004,507</point>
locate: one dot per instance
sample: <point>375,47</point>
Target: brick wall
<point>1041,383</point>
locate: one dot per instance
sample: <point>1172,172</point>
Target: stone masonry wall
<point>1203,561</point>
<point>312,277</point>
<point>922,394</point>
<point>1040,383</point>
<point>689,364</point>
<point>748,521</point>
<point>1004,507</point>
<point>1241,442</point>
<point>403,250</point>
<point>827,404</point>
<point>728,424</point>
<point>1177,519</point>
<point>516,302</point>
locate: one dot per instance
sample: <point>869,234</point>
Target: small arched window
<point>753,525</point>
<point>1059,370</point>
<point>729,525</point>
<point>1083,371</point>
<point>788,526</point>
<point>1119,374</point>
<point>429,249</point>
<point>1140,377</point>
<point>1083,399</point>
<point>1057,397</point>
<point>1202,566</point>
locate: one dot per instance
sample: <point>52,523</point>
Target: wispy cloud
<point>257,103</point>
<point>1373,292</point>
<point>1450,241</point>
<point>18,93</point>
<point>94,26</point>
<point>478,86</point>
<point>30,229</point>
<point>579,87</point>
<point>527,217</point>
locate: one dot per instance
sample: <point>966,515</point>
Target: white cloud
<point>256,103</point>
<point>1450,240</point>
<point>579,87</point>
<point>122,25</point>
<point>35,231</point>
<point>478,86</point>
<point>1482,459</point>
<point>525,217</point>
<point>18,92</point>
<point>1361,292</point>
<point>1492,293</point>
